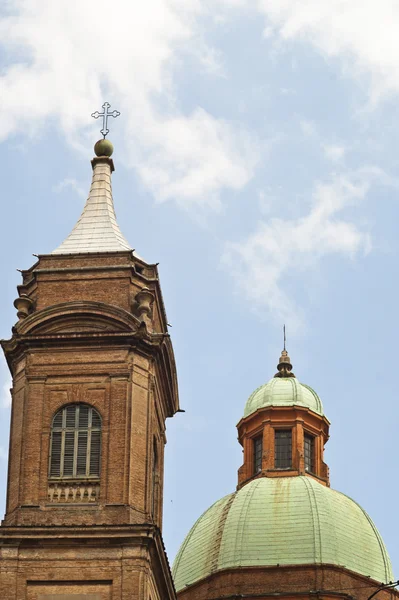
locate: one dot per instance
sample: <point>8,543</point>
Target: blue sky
<point>256,160</point>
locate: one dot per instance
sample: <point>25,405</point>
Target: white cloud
<point>280,249</point>
<point>69,183</point>
<point>70,56</point>
<point>361,32</point>
<point>308,128</point>
<point>195,159</point>
<point>266,201</point>
<point>334,152</point>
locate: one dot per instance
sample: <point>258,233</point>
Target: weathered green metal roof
<point>285,521</point>
<point>281,391</point>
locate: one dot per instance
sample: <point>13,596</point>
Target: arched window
<point>75,442</point>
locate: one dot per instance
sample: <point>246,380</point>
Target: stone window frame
<point>75,443</point>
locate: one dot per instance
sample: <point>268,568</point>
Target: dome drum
<point>289,582</point>
<point>261,432</point>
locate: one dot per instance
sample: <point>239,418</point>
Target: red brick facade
<point>92,330</point>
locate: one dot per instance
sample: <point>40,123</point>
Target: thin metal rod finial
<point>105,114</point>
<point>285,339</point>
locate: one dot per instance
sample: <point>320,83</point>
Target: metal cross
<point>105,114</point>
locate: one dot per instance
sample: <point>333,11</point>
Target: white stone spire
<point>97,229</point>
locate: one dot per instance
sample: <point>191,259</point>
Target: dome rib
<point>333,532</point>
<point>315,396</point>
<point>318,546</point>
<point>196,550</point>
<point>243,518</point>
<point>295,391</point>
<point>384,554</point>
<point>219,534</point>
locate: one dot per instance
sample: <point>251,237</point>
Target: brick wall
<point>85,338</point>
<point>288,582</point>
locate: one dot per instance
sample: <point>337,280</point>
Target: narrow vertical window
<point>258,446</point>
<point>309,453</point>
<point>154,477</point>
<point>283,449</point>
<point>75,442</point>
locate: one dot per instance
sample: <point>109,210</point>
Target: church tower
<point>284,533</point>
<point>93,381</point>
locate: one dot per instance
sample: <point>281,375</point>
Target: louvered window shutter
<point>69,450</point>
<point>84,416</point>
<point>81,459</point>
<point>95,449</point>
<point>56,440</point>
<point>57,423</point>
<point>95,419</point>
<point>70,420</point>
<point>76,442</point>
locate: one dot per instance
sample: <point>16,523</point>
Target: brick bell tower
<point>94,380</point>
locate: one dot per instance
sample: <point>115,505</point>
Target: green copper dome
<point>283,391</point>
<point>285,521</point>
